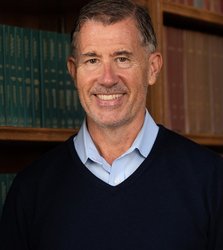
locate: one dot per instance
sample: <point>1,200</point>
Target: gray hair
<point>112,11</point>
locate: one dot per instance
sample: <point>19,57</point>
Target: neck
<point>113,142</point>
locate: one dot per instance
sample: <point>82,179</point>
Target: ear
<point>155,65</point>
<point>71,66</point>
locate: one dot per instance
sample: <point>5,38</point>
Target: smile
<point>109,97</point>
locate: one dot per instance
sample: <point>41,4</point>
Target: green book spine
<point>20,79</point>
<point>14,105</point>
<point>42,85</point>
<point>27,78</point>
<point>75,113</point>
<point>69,87</point>
<point>33,115</point>
<point>52,76</point>
<point>10,76</point>
<point>2,79</point>
<point>60,82</point>
<point>35,79</point>
<point>199,4</point>
<point>45,86</point>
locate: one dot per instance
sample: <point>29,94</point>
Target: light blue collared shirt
<point>124,165</point>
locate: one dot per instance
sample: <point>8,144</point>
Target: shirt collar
<point>144,141</point>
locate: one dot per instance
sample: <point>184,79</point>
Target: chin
<point>116,123</point>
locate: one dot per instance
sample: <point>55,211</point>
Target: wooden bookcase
<point>167,12</point>
<point>19,146</point>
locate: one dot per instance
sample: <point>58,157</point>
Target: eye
<point>123,62</point>
<point>122,59</point>
<point>92,61</point>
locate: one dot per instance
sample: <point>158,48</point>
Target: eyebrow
<point>122,52</point>
<point>89,54</point>
<point>116,53</point>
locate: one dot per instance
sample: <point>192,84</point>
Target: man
<point>122,182</point>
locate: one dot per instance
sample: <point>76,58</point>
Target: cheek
<point>139,81</point>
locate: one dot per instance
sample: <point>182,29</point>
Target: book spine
<point>190,2</point>
<point>202,99</point>
<point>42,85</point>
<point>20,93</point>
<point>27,79</point>
<point>217,86</point>
<point>35,79</point>
<point>69,88</point>
<point>199,4</point>
<point>215,6</point>
<point>53,78</point>
<point>36,88</point>
<point>190,91</point>
<point>221,8</point>
<point>2,79</point>
<point>10,76</point>
<point>175,87</point>
<point>61,109</point>
<point>46,90</point>
<point>207,5</point>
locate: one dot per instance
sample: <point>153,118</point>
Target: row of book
<point>5,184</point>
<point>215,6</point>
<point>35,87</point>
<point>193,66</point>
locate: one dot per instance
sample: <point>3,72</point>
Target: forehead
<point>94,34</point>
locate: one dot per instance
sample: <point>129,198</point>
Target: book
<point>202,81</point>
<point>174,66</point>
<point>198,4</point>
<point>53,78</point>
<point>20,111</point>
<point>69,87</point>
<point>216,90</point>
<point>10,75</point>
<point>35,78</point>
<point>194,61</point>
<point>61,92</point>
<point>28,102</point>
<point>2,79</point>
<point>45,80</point>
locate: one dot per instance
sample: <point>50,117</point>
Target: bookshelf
<point>206,21</point>
<point>192,13</point>
<point>58,16</point>
<point>35,134</point>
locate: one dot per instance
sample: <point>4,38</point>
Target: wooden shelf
<point>35,134</point>
<point>192,13</point>
<point>208,140</point>
<point>61,134</point>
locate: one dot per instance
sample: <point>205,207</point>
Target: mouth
<point>110,101</point>
<point>109,97</point>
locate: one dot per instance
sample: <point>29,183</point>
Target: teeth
<point>109,97</point>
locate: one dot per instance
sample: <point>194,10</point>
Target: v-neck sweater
<point>173,201</point>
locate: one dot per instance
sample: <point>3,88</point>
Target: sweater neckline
<point>91,178</point>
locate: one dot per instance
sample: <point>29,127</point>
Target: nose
<point>108,75</point>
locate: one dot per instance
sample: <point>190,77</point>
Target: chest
<point>156,214</point>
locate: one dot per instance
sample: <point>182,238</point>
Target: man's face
<point>111,71</point>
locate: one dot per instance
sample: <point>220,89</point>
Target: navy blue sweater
<point>174,201</point>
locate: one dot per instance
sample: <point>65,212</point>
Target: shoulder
<point>50,164</point>
<point>180,148</point>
